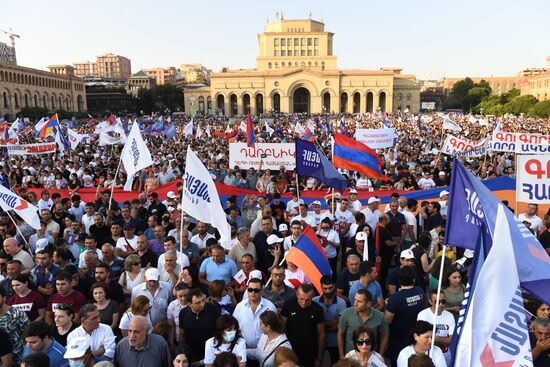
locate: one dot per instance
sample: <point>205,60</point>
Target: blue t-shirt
<point>373,287</point>
<point>55,351</point>
<point>224,271</point>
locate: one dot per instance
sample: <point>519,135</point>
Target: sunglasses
<point>137,264</point>
<point>63,307</point>
<point>364,342</point>
<point>254,290</point>
<point>442,301</point>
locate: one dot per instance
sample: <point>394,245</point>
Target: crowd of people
<point>141,283</point>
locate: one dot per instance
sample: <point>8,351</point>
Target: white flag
<point>200,197</point>
<point>450,124</point>
<point>199,132</point>
<point>495,330</point>
<point>208,132</point>
<point>268,128</point>
<point>28,212</point>
<point>40,124</point>
<point>74,138</point>
<point>188,129</point>
<point>135,155</point>
<point>242,126</point>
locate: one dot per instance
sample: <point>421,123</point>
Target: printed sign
<point>276,155</point>
<point>520,142</point>
<point>462,147</point>
<point>533,179</point>
<point>31,149</point>
<point>376,138</point>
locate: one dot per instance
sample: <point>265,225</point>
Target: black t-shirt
<point>198,328</point>
<point>345,280</point>
<point>385,235</point>
<point>301,328</point>
<point>5,344</point>
<point>544,239</point>
<point>432,222</point>
<point>278,211</point>
<point>157,209</point>
<point>393,275</point>
<point>101,233</point>
<point>62,339</point>
<point>544,358</point>
<point>265,259</point>
<point>396,223</point>
<point>405,305</point>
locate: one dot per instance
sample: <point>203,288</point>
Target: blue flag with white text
<point>310,161</point>
<point>472,213</point>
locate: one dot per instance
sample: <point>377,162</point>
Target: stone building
<point>106,66</point>
<point>296,71</point>
<point>162,75</point>
<point>140,80</point>
<point>22,87</point>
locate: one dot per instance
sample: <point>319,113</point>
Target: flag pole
<point>437,297</point>
<point>298,188</point>
<point>516,173</point>
<point>114,182</point>
<point>280,264</point>
<point>17,228</point>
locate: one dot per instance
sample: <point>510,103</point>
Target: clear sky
<point>430,38</point>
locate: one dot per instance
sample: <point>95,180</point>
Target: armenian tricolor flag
<point>308,255</point>
<point>355,156</point>
<point>50,127</point>
<point>249,131</point>
<point>232,136</point>
<point>308,135</point>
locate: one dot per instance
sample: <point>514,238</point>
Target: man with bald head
<point>12,248</point>
<point>129,350</point>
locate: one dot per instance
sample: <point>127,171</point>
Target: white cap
<point>76,348</point>
<point>353,191</point>
<point>254,274</point>
<point>171,195</point>
<point>443,193</point>
<point>407,254</point>
<point>442,173</point>
<point>373,199</point>
<point>361,236</point>
<point>283,227</point>
<point>316,202</point>
<point>469,254</point>
<point>41,244</point>
<point>273,238</point>
<point>152,274</point>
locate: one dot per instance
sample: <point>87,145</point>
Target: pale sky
<point>429,38</point>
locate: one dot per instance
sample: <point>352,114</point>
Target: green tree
<point>458,98</point>
<point>160,98</point>
<point>520,104</point>
<point>541,109</point>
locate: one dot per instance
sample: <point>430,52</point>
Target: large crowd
<point>142,283</point>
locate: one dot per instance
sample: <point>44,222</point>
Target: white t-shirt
<point>445,326</point>
<point>210,352</point>
<point>289,242</point>
<point>363,183</point>
<point>123,242</point>
<point>371,218</point>
<point>309,219</point>
<point>293,207</point>
<point>87,221</point>
<point>173,313</point>
<point>355,206</point>
<point>411,221</point>
<point>331,236</point>
<point>343,218</point>
<point>295,279</point>
<point>426,183</point>
<point>81,262</point>
<point>181,259</point>
<point>127,316</point>
<point>201,242</point>
<point>535,221</point>
<point>437,357</point>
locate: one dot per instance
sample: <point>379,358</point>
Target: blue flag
<point>472,214</point>
<point>170,131</point>
<point>310,161</point>
<point>329,128</point>
<point>158,126</point>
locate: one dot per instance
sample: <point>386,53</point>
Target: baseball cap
<point>152,274</point>
<point>443,193</point>
<point>353,191</point>
<point>76,348</point>
<point>442,173</point>
<point>469,254</point>
<point>373,199</point>
<point>254,274</point>
<point>41,244</point>
<point>407,254</point>
<point>171,195</point>
<point>283,227</point>
<point>316,202</point>
<point>361,236</point>
<point>273,238</point>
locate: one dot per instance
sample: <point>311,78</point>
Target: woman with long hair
<point>100,295</point>
<point>26,299</point>
<point>140,307</point>
<point>227,338</point>
<point>453,289</point>
<point>272,338</point>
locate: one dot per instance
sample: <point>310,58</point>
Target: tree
<point>520,104</point>
<point>160,98</point>
<point>466,94</point>
<point>541,109</point>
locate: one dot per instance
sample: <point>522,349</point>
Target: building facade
<point>194,74</point>
<point>22,87</point>
<point>297,71</point>
<point>140,80</point>
<point>106,66</point>
<point>162,75</point>
<point>7,54</point>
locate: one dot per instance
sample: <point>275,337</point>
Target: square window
<point>316,41</point>
<point>316,52</point>
<point>276,42</point>
<point>309,52</point>
<point>303,53</point>
<point>296,42</point>
<point>277,53</point>
<point>303,41</point>
<point>283,53</point>
<point>283,41</point>
<point>309,42</point>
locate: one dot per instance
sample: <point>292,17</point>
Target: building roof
<point>141,73</point>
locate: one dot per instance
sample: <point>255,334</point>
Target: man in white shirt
<point>330,241</point>
<point>443,200</point>
<point>202,236</point>
<point>88,217</point>
<point>445,323</point>
<point>410,219</point>
<point>531,216</point>
<point>295,234</point>
<point>372,214</point>
<point>77,207</point>
<point>304,217</point>
<point>248,312</point>
<point>354,203</point>
<point>426,182</point>
<point>316,214</point>
<point>293,206</point>
<point>99,336</point>
<point>343,218</point>
<point>157,291</point>
<point>170,244</point>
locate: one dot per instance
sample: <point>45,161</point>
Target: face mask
<point>170,209</point>
<point>79,363</point>
<point>229,336</point>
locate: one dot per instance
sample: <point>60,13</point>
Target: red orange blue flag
<point>308,255</point>
<point>249,131</point>
<point>355,156</point>
<point>308,135</point>
<point>49,128</point>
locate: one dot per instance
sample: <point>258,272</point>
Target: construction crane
<point>12,36</point>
